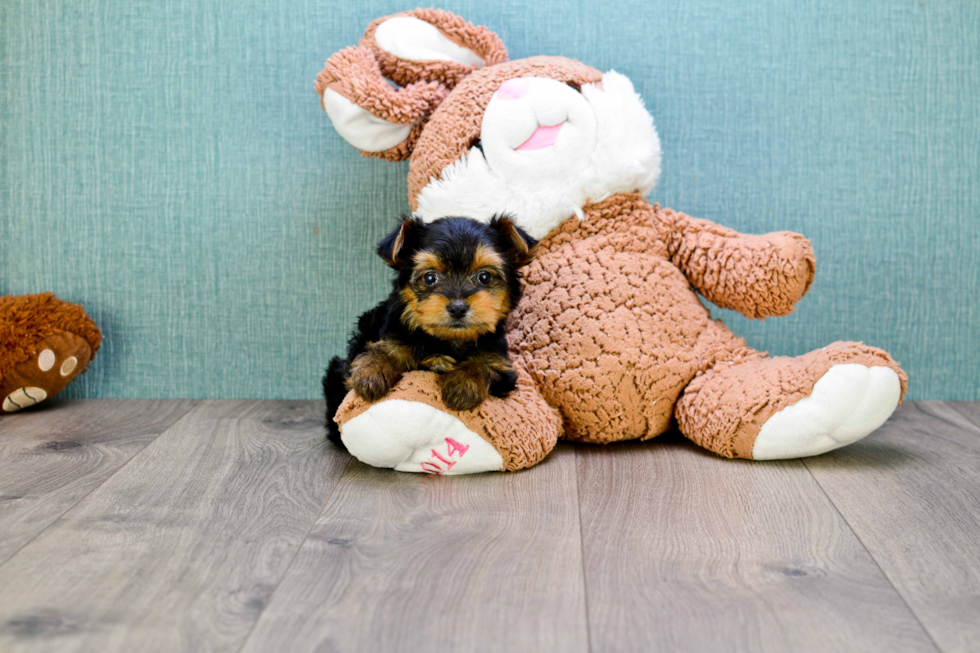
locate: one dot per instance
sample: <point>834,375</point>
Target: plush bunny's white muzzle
<point>537,131</point>
<point>547,150</point>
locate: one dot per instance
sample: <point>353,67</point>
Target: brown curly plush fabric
<point>32,324</point>
<point>724,407</point>
<point>613,343</point>
<point>27,320</point>
<point>455,125</point>
<point>444,125</point>
<point>354,74</point>
<point>523,428</point>
<point>610,328</point>
<point>611,340</point>
<point>403,72</point>
<point>762,276</point>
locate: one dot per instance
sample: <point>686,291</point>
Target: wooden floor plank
<point>402,562</point>
<point>911,492</point>
<point>181,549</point>
<point>54,455</point>
<point>179,541</point>
<point>686,551</point>
<point>969,409</point>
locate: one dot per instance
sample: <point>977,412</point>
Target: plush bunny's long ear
<point>431,45</point>
<point>368,112</point>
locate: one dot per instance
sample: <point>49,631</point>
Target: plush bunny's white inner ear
<point>410,38</point>
<point>361,128</point>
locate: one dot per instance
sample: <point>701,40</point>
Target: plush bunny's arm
<point>758,276</point>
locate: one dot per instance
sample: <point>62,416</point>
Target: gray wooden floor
<point>132,525</point>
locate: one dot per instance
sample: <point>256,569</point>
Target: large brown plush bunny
<point>611,341</point>
<point>44,344</point>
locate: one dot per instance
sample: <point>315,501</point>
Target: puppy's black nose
<point>457,309</point>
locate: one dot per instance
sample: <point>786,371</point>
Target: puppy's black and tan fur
<point>458,279</point>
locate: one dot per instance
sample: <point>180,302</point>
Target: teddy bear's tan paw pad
<point>23,398</point>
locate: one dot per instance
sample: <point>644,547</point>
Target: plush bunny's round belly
<point>610,330</point>
<point>611,341</point>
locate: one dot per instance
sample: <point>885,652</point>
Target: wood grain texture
<point>685,551</point>
<point>181,549</point>
<point>400,562</point>
<point>969,409</point>
<point>53,456</point>
<point>911,493</point>
<point>238,528</point>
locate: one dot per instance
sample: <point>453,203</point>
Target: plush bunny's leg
<point>411,430</point>
<point>774,408</point>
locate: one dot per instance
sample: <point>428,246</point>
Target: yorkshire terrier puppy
<point>457,281</point>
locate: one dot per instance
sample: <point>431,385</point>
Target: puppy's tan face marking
<point>486,257</point>
<point>490,306</point>
<point>487,308</point>
<point>430,315</point>
<point>425,260</point>
<point>431,311</point>
<point>479,283</point>
<point>410,315</point>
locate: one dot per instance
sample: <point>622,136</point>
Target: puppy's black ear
<point>519,243</point>
<point>394,248</point>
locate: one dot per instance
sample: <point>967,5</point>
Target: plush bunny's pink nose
<point>513,89</point>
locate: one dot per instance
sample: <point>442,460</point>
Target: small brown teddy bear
<point>44,344</point>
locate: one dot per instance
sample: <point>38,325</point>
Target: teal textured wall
<point>167,164</point>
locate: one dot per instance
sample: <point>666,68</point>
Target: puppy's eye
<point>430,278</point>
<point>484,277</point>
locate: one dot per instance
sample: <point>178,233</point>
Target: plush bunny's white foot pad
<point>847,403</point>
<point>410,436</point>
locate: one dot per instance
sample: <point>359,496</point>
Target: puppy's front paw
<point>370,386</point>
<point>460,391</point>
<point>371,378</point>
<point>503,384</point>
